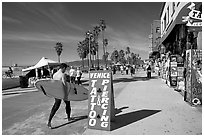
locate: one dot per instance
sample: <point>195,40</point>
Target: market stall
<point>42,68</point>
<point>193,77</point>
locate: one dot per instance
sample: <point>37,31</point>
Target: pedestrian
<point>149,71</point>
<point>133,68</point>
<point>131,71</point>
<point>114,69</point>
<point>60,75</point>
<point>126,69</point>
<point>10,70</point>
<point>121,69</point>
<point>78,75</point>
<point>72,73</point>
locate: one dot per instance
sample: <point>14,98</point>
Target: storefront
<point>183,59</point>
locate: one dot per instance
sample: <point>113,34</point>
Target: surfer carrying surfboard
<point>60,75</point>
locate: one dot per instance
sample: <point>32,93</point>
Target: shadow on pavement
<point>117,111</point>
<point>133,79</point>
<point>75,119</point>
<point>128,118</point>
<point>14,93</point>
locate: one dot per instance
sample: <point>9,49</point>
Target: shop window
<point>157,29</point>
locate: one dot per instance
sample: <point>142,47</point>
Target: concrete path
<point>150,107</point>
<point>143,107</point>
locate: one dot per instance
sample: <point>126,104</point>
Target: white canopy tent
<point>43,62</point>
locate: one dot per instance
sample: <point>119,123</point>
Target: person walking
<point>126,69</point>
<point>60,75</point>
<point>72,73</point>
<point>114,69</point>
<point>78,75</point>
<point>131,70</point>
<point>121,69</point>
<point>149,71</point>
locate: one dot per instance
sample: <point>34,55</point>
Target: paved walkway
<point>146,106</point>
<point>150,107</point>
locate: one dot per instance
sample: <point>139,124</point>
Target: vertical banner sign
<point>101,100</point>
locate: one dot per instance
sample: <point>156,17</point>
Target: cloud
<point>58,14</point>
<point>40,40</point>
<point>39,37</point>
<point>123,39</point>
<point>10,20</point>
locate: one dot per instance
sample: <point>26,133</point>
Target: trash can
<point>23,81</point>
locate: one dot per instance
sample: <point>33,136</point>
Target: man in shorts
<point>60,75</point>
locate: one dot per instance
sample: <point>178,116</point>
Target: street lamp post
<point>106,53</point>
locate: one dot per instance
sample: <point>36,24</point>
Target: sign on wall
<point>194,18</point>
<point>101,100</point>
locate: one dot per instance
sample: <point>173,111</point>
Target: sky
<point>30,30</point>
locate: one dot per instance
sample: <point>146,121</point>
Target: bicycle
<point>8,75</point>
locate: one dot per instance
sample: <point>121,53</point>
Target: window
<point>157,29</point>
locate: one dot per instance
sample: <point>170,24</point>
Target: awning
<point>168,32</point>
<point>183,12</point>
<point>43,62</point>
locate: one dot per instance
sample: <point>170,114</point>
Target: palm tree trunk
<point>59,59</point>
<point>103,47</point>
<point>88,61</point>
<point>98,58</point>
<point>82,62</point>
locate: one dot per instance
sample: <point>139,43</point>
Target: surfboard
<point>55,88</point>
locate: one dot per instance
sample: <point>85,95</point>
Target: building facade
<point>155,38</point>
<point>175,29</point>
<point>181,48</point>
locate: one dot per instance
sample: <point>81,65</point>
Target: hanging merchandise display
<point>172,71</point>
<point>194,77</point>
<point>180,77</point>
<point>163,69</point>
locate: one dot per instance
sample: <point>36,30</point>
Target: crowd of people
<point>124,69</point>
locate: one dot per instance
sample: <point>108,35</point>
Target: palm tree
<point>81,52</point>
<point>85,44</point>
<point>105,44</point>
<point>96,32</point>
<point>127,52</point>
<point>93,50</point>
<point>133,58</point>
<point>122,56</point>
<point>106,56</point>
<point>58,49</point>
<point>114,56</point>
<point>89,36</point>
<point>103,27</point>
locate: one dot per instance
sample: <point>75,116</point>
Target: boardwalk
<point>143,106</point>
